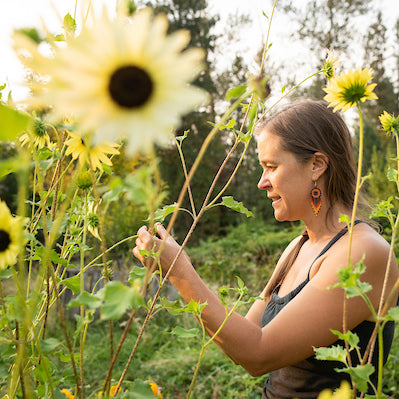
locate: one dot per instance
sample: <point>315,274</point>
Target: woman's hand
<point>169,250</point>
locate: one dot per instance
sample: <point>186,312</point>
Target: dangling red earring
<point>315,199</point>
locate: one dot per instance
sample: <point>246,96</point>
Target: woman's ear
<point>319,165</point>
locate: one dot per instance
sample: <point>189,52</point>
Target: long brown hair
<point>307,127</point>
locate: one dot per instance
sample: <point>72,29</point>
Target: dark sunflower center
<point>5,240</point>
<point>130,86</point>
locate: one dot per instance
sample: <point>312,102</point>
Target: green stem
<point>358,184</point>
<point>183,162</point>
<point>286,94</point>
<point>193,169</point>
<point>266,46</point>
<point>211,339</point>
<point>352,223</point>
<point>82,288</point>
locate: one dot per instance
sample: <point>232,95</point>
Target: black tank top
<point>307,378</point>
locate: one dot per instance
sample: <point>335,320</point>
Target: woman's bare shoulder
<point>367,241</point>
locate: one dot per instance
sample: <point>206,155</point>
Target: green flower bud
<point>83,180</point>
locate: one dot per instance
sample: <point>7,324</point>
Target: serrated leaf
<point>360,374</point>
<point>12,123</point>
<point>183,333</point>
<point>349,337</point>
<point>336,353</point>
<point>236,92</point>
<point>231,203</point>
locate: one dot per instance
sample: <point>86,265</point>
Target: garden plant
<point>117,83</point>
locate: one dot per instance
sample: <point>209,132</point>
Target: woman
<point>306,155</point>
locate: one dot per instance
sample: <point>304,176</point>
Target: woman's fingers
<point>161,231</point>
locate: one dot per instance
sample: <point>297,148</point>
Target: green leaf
<point>194,307</point>
<point>336,353</point>
<point>360,374</point>
<point>107,169</point>
<point>161,214</point>
<point>283,89</point>
<point>12,165</point>
<point>69,23</point>
<point>173,307</point>
<point>349,337</point>
<point>49,344</point>
<point>5,274</point>
<point>183,333</point>
<point>244,137</point>
<point>139,390</point>
<point>181,138</point>
<point>137,272</point>
<point>31,33</point>
<point>344,218</point>
<point>231,203</point>
<point>85,298</point>
<point>240,282</point>
<point>230,125</point>
<point>117,298</point>
<point>392,175</point>
<point>253,111</point>
<point>236,92</point>
<point>73,283</point>
<point>12,123</point>
<point>393,314</point>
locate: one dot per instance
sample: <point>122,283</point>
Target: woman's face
<point>287,181</point>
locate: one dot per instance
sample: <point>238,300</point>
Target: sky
<point>16,14</point>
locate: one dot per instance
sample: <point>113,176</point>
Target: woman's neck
<point>324,226</point>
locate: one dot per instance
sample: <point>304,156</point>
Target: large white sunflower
<point>119,78</point>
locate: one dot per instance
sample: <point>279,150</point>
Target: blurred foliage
<point>250,251</point>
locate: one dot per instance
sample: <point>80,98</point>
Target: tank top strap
<point>330,244</point>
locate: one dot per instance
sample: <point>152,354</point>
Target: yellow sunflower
<point>112,391</point>
<point>348,89</point>
<point>343,392</point>
<point>156,390</point>
<point>37,135</point>
<point>330,64</point>
<point>120,77</point>
<point>11,236</point>
<point>388,122</point>
<point>93,221</point>
<point>68,393</point>
<point>80,148</point>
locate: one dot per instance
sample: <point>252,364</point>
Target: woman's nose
<point>264,182</point>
